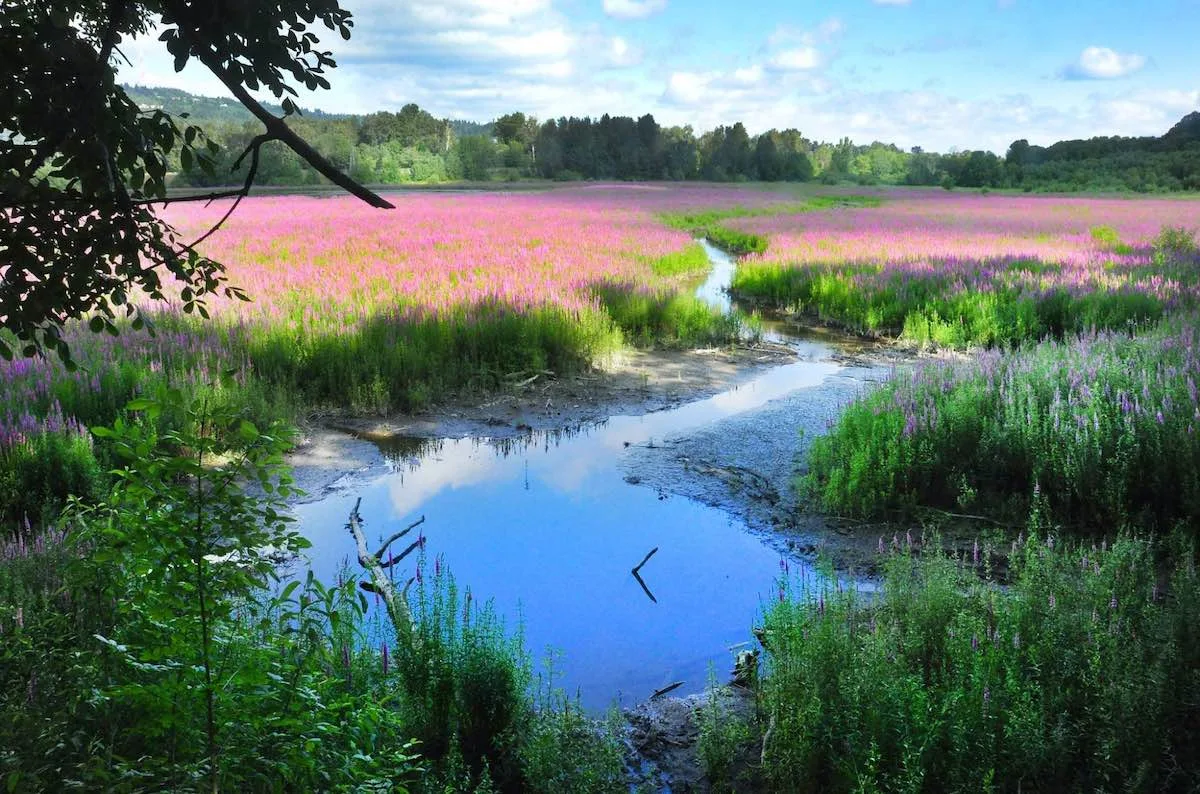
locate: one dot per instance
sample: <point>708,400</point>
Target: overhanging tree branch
<point>276,127</point>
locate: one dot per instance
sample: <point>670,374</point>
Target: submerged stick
<point>668,688</point>
<point>645,589</point>
<point>645,559</point>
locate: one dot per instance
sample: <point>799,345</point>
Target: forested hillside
<point>412,146</point>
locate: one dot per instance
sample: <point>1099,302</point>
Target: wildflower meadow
<point>956,270</point>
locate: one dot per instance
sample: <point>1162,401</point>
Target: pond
<point>548,526</point>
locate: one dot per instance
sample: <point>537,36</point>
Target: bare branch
<point>668,688</point>
<point>252,149</point>
<point>383,549</point>
<point>397,606</point>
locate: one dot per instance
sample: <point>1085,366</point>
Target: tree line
<point>413,146</point>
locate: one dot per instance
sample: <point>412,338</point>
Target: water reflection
<point>549,527</point>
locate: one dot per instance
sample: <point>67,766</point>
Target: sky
<point>941,74</point>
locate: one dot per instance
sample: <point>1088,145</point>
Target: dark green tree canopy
<point>81,165</point>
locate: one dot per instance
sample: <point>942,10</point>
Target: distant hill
<point>1168,162</point>
<point>202,109</point>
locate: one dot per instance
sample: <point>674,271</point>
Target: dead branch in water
<point>668,688</point>
<point>645,588</point>
<point>397,606</point>
<point>396,536</point>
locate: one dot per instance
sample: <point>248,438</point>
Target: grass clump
<point>1105,426</point>
<point>1080,677</point>
<point>692,260</point>
<point>1108,239</point>
<point>710,223</point>
<point>668,319</point>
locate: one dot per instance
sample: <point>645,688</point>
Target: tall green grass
<point>1106,427</point>
<point>1080,676</point>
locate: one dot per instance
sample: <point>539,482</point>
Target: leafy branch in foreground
<point>81,164</point>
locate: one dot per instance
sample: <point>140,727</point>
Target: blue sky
<point>934,73</point>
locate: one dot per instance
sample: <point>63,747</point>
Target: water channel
<point>548,526</point>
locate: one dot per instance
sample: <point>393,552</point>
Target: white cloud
<point>633,9</point>
<point>477,59</point>
<point>796,59</point>
<point>1102,63</point>
<point>749,75</point>
<point>687,88</point>
<point>622,54</point>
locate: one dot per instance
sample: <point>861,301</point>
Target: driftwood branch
<point>668,688</point>
<point>397,605</point>
<point>409,550</point>
<point>396,536</point>
<point>645,587</point>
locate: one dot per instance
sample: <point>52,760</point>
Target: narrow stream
<point>549,526</point>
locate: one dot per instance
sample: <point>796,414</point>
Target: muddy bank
<point>338,452</point>
<point>747,464</point>
<point>665,735</point>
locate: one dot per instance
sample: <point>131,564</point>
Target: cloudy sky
<point>934,73</point>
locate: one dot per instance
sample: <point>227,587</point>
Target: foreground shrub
<point>153,647</point>
<point>1082,676</point>
<point>1106,426</point>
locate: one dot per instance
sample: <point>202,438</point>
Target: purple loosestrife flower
<point>385,658</point>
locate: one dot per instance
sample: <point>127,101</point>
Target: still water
<point>548,526</point>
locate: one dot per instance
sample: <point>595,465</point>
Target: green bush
<point>1080,676</point>
<point>39,475</point>
<point>1104,426</point>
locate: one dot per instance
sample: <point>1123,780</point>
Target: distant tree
<point>768,160</point>
<point>81,164</point>
<point>478,156</point>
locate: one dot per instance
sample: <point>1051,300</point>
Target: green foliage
<point>710,223</point>
<point>1080,676</point>
<point>691,261</point>
<point>466,690</point>
<point>384,364</point>
<point>945,307</point>
<point>723,737</point>
<point>82,161</point>
<point>141,652</point>
<point>39,475</point>
<point>1107,238</point>
<point>668,319</point>
<point>477,155</point>
<point>1103,426</point>
<point>1173,244</point>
